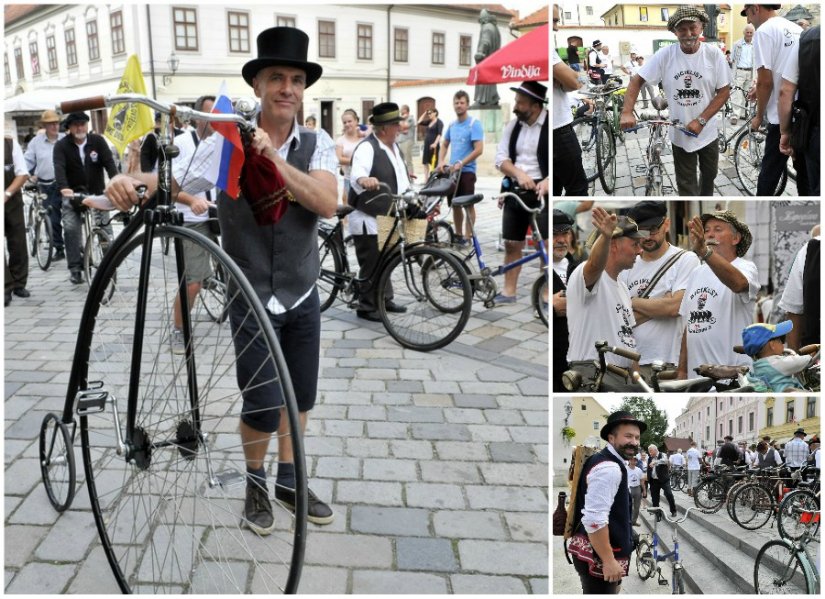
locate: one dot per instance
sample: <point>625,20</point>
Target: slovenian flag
<point>228,157</point>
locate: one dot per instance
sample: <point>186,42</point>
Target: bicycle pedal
<point>229,478</point>
<point>91,401</point>
<point>641,168</point>
<point>663,582</point>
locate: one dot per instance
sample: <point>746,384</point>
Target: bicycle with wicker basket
<point>429,282</point>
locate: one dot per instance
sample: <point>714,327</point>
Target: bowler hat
<point>648,213</point>
<point>385,113</point>
<point>49,116</point>
<point>561,221</point>
<point>621,417</point>
<point>534,89</point>
<point>742,228</point>
<point>728,438</point>
<point>75,117</point>
<point>799,431</point>
<point>282,46</point>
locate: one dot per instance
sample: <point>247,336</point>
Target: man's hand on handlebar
<point>369,183</point>
<point>122,192</point>
<point>627,120</point>
<point>67,193</point>
<point>524,181</point>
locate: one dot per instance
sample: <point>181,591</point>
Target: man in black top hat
<point>80,161</point>
<point>522,157</point>
<point>602,538</point>
<point>377,159</point>
<point>281,262</point>
<point>564,243</point>
<point>728,453</point>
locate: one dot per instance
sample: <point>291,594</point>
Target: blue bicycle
<point>648,557</point>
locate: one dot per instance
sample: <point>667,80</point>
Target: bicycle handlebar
<point>675,124</point>
<point>620,351</point>
<point>665,515</point>
<point>510,194</point>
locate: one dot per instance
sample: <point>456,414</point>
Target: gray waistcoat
<point>280,259</point>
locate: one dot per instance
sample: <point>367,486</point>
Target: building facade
<point>783,415</point>
<point>585,417</point>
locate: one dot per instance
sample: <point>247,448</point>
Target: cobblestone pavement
<point>436,464</point>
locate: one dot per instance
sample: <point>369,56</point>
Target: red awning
<point>524,59</point>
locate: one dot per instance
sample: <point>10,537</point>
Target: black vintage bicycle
<point>162,456</point>
<point>38,226</point>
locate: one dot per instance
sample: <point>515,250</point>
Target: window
<point>708,410</point>
<point>116,23</point>
<point>596,425</point>
<point>588,11</point>
<point>769,417</point>
<point>33,56</point>
<point>326,39</point>
<point>750,421</point>
<point>721,429</point>
<point>789,408</point>
<point>643,14</point>
<point>186,28</point>
<point>707,432</point>
<point>284,21</point>
<point>730,402</point>
<point>364,42</point>
<point>810,407</point>
<point>721,405</point>
<point>401,45</point>
<point>51,50</point>
<point>238,31</point>
<point>465,50</point>
<point>366,106</point>
<point>6,67</point>
<point>584,408</point>
<point>18,63</point>
<point>730,426</point>
<point>438,48</point>
<point>665,15</point>
<point>91,36</point>
<point>739,425</point>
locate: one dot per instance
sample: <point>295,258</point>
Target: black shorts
<point>515,221</point>
<point>299,333</point>
<point>466,186</point>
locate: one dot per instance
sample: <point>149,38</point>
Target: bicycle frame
<point>673,555</point>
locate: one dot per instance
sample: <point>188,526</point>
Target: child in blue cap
<point>773,365</point>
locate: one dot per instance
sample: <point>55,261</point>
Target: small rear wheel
<point>57,465</point>
<point>440,232</point>
<point>332,267</point>
<point>644,560</point>
<point>540,298</point>
<point>709,496</point>
<point>43,242</point>
<point>213,293</point>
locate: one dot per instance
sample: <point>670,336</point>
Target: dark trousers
<point>568,170</point>
<point>592,585</point>
<point>367,252</point>
<point>16,272</point>
<point>664,485</point>
<point>54,204</point>
<point>812,162</point>
<point>685,165</point>
<point>774,162</point>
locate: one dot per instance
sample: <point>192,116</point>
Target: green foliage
<point>568,433</point>
<point>644,409</point>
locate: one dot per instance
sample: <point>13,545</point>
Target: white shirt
<point>601,314</point>
<point>634,477</point>
<point>603,481</point>
<point>347,146</point>
<point>560,268</point>
<point>39,156</point>
<point>659,338</point>
<point>792,296</point>
<point>18,159</point>
<point>693,457</point>
<point>562,115</point>
<point>361,166</point>
<point>180,171</point>
<point>796,452</point>
<point>690,82</point>
<point>773,42</point>
<point>816,457</point>
<point>714,316</point>
<point>677,460</point>
<point>742,56</point>
<point>526,146</point>
<point>607,63</point>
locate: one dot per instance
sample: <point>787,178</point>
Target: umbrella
<point>524,59</point>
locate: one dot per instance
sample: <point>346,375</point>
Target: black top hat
<point>385,113</point>
<point>728,438</point>
<point>648,213</point>
<point>799,431</point>
<point>561,221</point>
<point>621,417</point>
<point>75,117</point>
<point>285,46</point>
<point>534,89</point>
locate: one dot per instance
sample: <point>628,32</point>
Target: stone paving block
<point>331,467</point>
<point>392,399</point>
<point>450,472</point>
<point>435,496</point>
<point>488,432</point>
<point>387,430</point>
<point>497,344</point>
<point>40,578</point>
<point>353,344</point>
<point>12,448</point>
<point>443,400</point>
<point>20,542</point>
<point>504,417</point>
<point>533,386</point>
<point>415,374</point>
<point>496,374</point>
<point>347,397</point>
<point>324,411</point>
<point>534,418</point>
<point>26,423</point>
<point>520,402</point>
<point>411,450</point>
<point>511,452</point>
<point>462,451</point>
<point>460,524</point>
<point>405,386</point>
<point>528,434</point>
<point>380,374</point>
<point>539,586</point>
<point>527,527</point>
<point>22,476</point>
<point>477,584</point>
<point>469,400</point>
<point>522,475</point>
<point>441,387</point>
<point>391,583</point>
<point>348,550</point>
<point>343,428</point>
<point>370,492</point>
<point>415,414</point>
<point>430,555</point>
<point>367,448</point>
<point>338,373</point>
<point>28,376</point>
<point>390,521</point>
<point>512,499</point>
<point>464,416</point>
<point>332,446</point>
<point>390,469</point>
<point>368,385</point>
<point>542,453</point>
<point>472,387</point>
<point>441,432</point>
<point>317,580</point>
<point>497,557</point>
<point>69,538</point>
<point>351,362</point>
<point>367,413</point>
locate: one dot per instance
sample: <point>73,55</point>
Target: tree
<point>644,409</point>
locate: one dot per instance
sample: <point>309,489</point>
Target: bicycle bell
<point>248,108</point>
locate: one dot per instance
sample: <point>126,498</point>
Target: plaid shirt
<point>796,453</point>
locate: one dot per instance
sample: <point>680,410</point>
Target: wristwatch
<point>702,121</point>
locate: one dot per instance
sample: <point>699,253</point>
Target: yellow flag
<point>129,121</point>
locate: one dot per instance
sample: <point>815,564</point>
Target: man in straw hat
<point>696,81</point>
<point>377,159</point>
<point>598,306</point>
<point>40,162</point>
<point>281,262</point>
<point>720,295</point>
<point>602,538</point>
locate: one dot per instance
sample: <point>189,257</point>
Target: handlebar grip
<point>626,353</point>
<point>634,129</point>
<point>618,370</point>
<point>93,103</point>
<point>808,349</point>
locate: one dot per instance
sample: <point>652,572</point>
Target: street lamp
<point>172,62</point>
<point>568,409</point>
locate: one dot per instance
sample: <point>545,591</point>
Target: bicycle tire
<point>538,295</point>
<point>734,488</point>
<point>43,242</point>
<point>679,581</point>
<point>434,288</point>
<point>57,465</point>
<point>440,232</point>
<point>213,294</point>
<point>169,516</point>
<point>332,269</point>
<point>747,160</point>
<point>753,507</point>
<point>583,128</point>
<point>30,220</point>
<point>96,246</point>
<point>709,496</point>
<point>606,157</point>
<point>789,516</point>
<point>779,570</point>
<point>645,566</point>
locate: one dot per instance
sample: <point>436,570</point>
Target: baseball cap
<point>648,213</point>
<point>769,6</point>
<point>755,336</point>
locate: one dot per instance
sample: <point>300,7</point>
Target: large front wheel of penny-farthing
<point>169,505</point>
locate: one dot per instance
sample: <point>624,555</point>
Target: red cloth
<point>264,188</point>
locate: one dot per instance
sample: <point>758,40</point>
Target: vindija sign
<point>522,72</point>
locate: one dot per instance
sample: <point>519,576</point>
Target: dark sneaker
<point>76,277</point>
<point>257,510</point>
<point>21,292</point>
<point>59,254</point>
<point>318,512</point>
<point>372,316</point>
<point>393,307</point>
<point>178,345</point>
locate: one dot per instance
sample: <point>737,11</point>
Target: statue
<point>712,30</point>
<point>486,96</point>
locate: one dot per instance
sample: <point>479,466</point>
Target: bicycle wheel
<point>43,242</point>
<point>433,288</point>
<point>440,232</point>
<point>96,245</point>
<point>606,157</point>
<point>540,297</point>
<point>213,294</point>
<point>169,509</point>
<point>30,212</point>
<point>645,566</point>
<point>752,507</point>
<point>709,496</point>
<point>584,129</point>
<point>749,150</point>
<point>57,466</point>
<point>796,515</point>
<point>332,267</point>
<point>779,570</point>
<point>678,580</point>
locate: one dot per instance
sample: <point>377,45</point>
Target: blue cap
<point>755,336</point>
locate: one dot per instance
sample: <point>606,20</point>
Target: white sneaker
<point>178,345</point>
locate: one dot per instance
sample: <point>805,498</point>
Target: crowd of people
<point>696,79</point>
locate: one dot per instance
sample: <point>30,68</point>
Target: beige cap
<point>49,116</point>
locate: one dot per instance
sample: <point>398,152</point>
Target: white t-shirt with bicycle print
<point>690,82</point>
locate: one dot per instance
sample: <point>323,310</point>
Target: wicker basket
<point>415,229</point>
